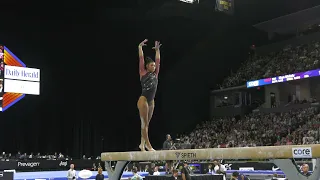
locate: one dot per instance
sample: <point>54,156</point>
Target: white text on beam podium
<point>263,152</point>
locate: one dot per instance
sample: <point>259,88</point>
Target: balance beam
<point>262,152</point>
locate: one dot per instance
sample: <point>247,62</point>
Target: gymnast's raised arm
<point>156,47</point>
<point>142,70</point>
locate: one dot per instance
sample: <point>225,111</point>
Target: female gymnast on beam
<point>149,71</point>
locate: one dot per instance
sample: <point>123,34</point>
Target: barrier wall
<point>42,164</point>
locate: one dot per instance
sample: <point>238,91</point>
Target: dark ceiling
<point>246,11</point>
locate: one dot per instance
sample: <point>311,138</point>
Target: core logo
<point>253,83</point>
<point>63,163</point>
<point>178,155</point>
<point>302,152</point>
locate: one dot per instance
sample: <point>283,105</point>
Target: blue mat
<point>62,175</point>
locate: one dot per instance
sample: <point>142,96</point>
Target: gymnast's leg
<point>150,113</point>
<point>143,111</point>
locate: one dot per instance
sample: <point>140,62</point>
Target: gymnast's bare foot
<point>142,148</point>
<point>150,148</point>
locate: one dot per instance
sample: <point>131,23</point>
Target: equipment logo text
<point>185,155</point>
<point>302,152</point>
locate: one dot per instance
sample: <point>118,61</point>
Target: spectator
<point>220,169</point>
<point>185,172</point>
<point>174,175</point>
<point>136,176</point>
<point>72,173</point>
<point>99,176</point>
<point>236,176</point>
<point>156,171</point>
<point>167,143</point>
<point>305,170</point>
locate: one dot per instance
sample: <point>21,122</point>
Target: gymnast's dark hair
<point>147,61</point>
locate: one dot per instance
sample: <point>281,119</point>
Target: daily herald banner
<point>16,79</point>
<point>1,75</point>
<point>226,6</point>
<point>22,80</point>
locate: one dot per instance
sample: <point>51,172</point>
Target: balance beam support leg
<point>116,174</point>
<point>291,171</point>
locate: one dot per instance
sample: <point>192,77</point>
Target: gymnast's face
<point>151,67</point>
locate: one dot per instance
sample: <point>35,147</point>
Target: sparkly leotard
<point>149,84</point>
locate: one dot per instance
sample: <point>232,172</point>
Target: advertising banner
<point>42,164</point>
<point>1,74</point>
<point>16,79</point>
<point>285,78</point>
<point>256,166</point>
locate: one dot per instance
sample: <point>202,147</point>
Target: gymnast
<point>148,70</point>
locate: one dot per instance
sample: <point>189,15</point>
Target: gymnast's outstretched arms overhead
<point>148,70</point>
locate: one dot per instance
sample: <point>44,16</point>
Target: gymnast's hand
<point>143,43</point>
<point>157,45</point>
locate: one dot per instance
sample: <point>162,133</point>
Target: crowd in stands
<point>289,60</point>
<point>258,129</point>
<point>25,156</point>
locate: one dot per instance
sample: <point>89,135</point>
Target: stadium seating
<point>289,60</point>
<point>296,126</point>
<point>258,129</point>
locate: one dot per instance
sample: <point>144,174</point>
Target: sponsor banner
<point>246,169</point>
<point>285,78</point>
<point>256,166</point>
<point>1,75</point>
<point>21,73</point>
<point>23,87</point>
<point>11,67</point>
<point>40,164</point>
<point>302,152</point>
<point>182,155</point>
